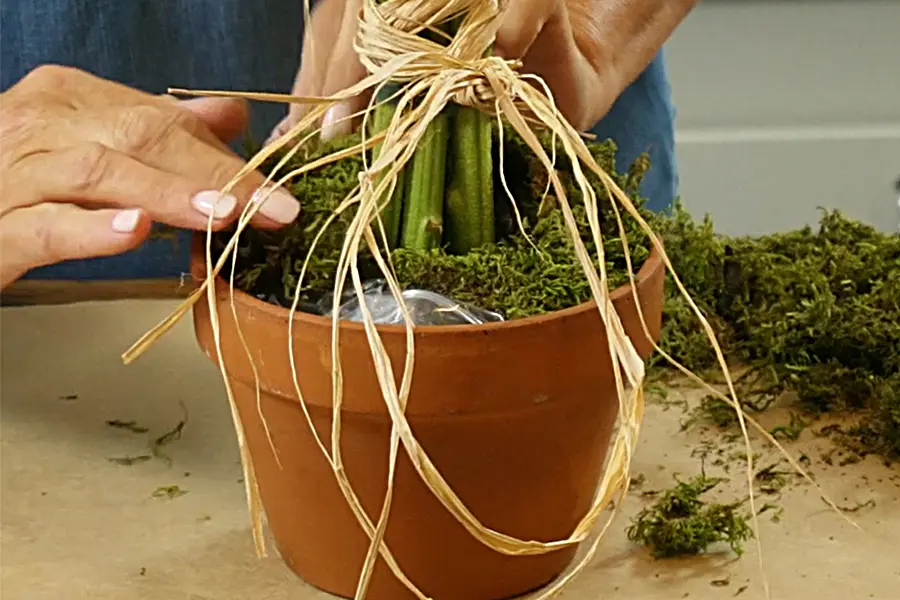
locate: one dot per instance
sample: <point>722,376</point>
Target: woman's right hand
<point>87,164</point>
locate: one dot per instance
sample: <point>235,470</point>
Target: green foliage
<point>680,523</point>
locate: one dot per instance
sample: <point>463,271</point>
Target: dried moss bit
<point>168,492</point>
<point>681,524</point>
<point>131,426</point>
<point>174,434</point>
<point>714,411</point>
<point>128,461</point>
<point>772,481</point>
<point>790,431</point>
<point>777,511</point>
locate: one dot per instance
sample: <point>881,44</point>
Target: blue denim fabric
<point>240,45</point>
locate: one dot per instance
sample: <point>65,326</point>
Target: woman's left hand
<point>587,51</point>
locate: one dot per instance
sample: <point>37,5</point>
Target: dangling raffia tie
<point>430,75</point>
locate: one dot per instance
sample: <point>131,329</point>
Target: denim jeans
<point>244,45</point>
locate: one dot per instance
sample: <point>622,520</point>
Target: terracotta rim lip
<point>198,271</point>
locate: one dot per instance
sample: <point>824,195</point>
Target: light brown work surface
<point>77,526</point>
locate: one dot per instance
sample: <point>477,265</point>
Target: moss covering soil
<point>511,277</point>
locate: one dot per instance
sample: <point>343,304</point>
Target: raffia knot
<point>478,91</point>
<point>390,37</point>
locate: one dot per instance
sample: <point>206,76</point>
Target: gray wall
<point>787,106</point>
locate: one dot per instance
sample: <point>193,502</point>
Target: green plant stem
<point>423,219</point>
<point>392,212</point>
<point>470,196</point>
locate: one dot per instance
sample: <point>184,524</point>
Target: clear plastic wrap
<point>425,308</point>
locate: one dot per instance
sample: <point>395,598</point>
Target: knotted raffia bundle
<point>428,76</point>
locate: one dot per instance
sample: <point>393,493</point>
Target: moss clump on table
<point>680,523</point>
<point>813,312</point>
<point>511,276</point>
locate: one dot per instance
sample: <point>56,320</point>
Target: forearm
<point>621,37</point>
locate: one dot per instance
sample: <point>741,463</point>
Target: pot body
<point>517,417</point>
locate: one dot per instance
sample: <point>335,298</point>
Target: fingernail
<point>126,221</point>
<point>278,205</point>
<point>213,203</point>
<point>335,123</point>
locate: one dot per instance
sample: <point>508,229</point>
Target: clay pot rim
<point>198,271</point>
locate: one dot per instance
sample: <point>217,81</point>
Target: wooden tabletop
<point>84,518</point>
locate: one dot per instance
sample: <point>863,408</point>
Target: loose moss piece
<point>858,506</point>
<point>714,411</point>
<point>790,431</point>
<point>777,511</point>
<point>127,461</point>
<point>169,492</point>
<point>681,524</point>
<point>771,480</point>
<point>156,448</point>
<point>170,436</point>
<point>131,426</point>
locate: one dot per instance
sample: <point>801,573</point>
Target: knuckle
<point>186,121</point>
<point>224,172</point>
<point>49,76</point>
<point>90,165</point>
<point>142,130</point>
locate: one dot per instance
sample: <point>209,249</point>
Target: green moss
<point>680,523</point>
<point>814,312</point>
<point>511,277</point>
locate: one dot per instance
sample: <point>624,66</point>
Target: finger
<point>540,34</point>
<point>521,24</point>
<point>163,140</point>
<point>318,45</point>
<point>94,176</point>
<point>226,118</point>
<point>344,70</point>
<point>215,120</point>
<point>46,234</point>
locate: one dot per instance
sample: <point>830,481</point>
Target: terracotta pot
<point>517,416</point>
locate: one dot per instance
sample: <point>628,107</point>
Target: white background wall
<point>785,106</point>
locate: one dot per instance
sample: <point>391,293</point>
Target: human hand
<point>87,164</point>
<point>586,51</point>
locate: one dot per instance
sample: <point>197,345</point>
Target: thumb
<point>329,64</point>
<point>226,117</point>
<point>344,70</point>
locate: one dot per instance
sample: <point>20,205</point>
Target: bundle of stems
<point>437,90</point>
<point>430,207</point>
